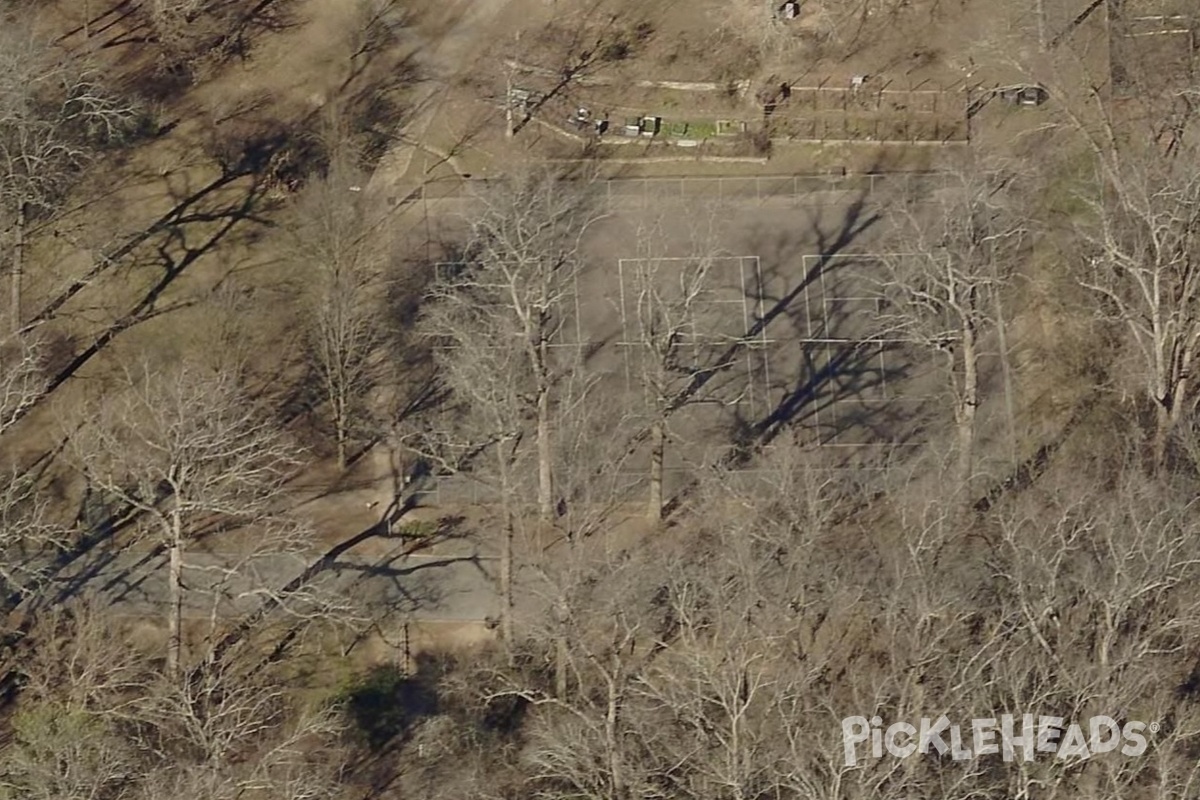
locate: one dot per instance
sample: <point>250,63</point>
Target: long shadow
<point>847,374</point>
<point>119,12</point>
<point>321,566</point>
<point>181,214</point>
<point>235,40</point>
<point>405,595</point>
<point>447,531</point>
<point>1079,19</point>
<point>857,220</point>
<point>582,56</point>
<point>147,307</point>
<point>268,16</point>
<point>1026,473</point>
<point>168,242</point>
<point>378,38</point>
<point>838,365</point>
<point>98,529</point>
<point>171,251</point>
<point>126,586</point>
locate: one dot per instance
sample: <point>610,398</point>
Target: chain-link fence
<point>802,189</point>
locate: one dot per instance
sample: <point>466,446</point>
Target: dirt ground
<point>912,91</point>
<point>453,126</point>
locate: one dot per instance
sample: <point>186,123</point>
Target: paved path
<point>800,190</point>
<point>446,588</point>
<point>441,62</point>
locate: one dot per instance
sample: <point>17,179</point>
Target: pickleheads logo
<point>1006,736</point>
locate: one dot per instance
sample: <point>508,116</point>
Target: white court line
<point>824,416</point>
<point>697,341</point>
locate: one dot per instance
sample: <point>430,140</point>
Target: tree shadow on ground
<point>386,702</point>
<point>830,362</point>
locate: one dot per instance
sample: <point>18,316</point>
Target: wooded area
<point>719,469</point>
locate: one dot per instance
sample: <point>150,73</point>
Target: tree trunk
<point>545,457</point>
<point>1006,370</point>
<point>18,266</point>
<point>560,667</point>
<point>969,403</point>
<point>658,444</point>
<point>1169,410</point>
<point>506,586</point>
<point>1162,432</point>
<point>175,598</point>
<point>560,651</point>
<point>506,558</point>
<point>735,754</point>
<point>611,744</point>
<point>340,425</point>
<point>508,109</point>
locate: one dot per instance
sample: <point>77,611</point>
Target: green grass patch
<point>418,529</point>
<point>687,129</point>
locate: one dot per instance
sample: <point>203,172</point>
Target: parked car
<point>1024,95</point>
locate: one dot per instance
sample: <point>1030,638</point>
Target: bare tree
<point>591,450</point>
<point>67,744</point>
<point>199,34</point>
<point>62,753</point>
<point>574,43</point>
<point>22,378</point>
<point>954,256</point>
<point>713,689</point>
<point>1093,598</point>
<point>375,25</point>
<point>172,18</point>
<point>760,26</point>
<point>1131,129</point>
<point>187,450</point>
<point>484,434</point>
<point>220,711</point>
<point>676,663</point>
<point>339,238</point>
<point>520,277</point>
<point>594,485</point>
<point>1144,263</point>
<point>675,329</point>
<point>98,721</point>
<point>481,432</point>
<point>600,630</point>
<point>822,26</point>
<point>54,116</point>
<point>28,532</point>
